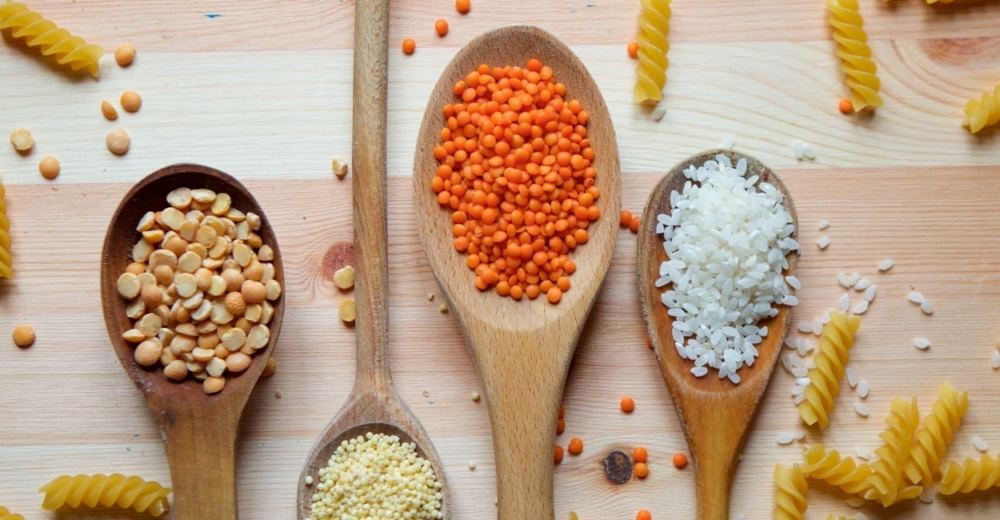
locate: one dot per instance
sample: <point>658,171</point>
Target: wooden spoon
<point>715,413</point>
<point>199,430</point>
<point>373,406</point>
<point>522,349</point>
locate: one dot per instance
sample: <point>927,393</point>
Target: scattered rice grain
<point>852,377</point>
<point>799,435</point>
<point>805,326</point>
<point>861,453</point>
<point>885,265</point>
<point>805,346</point>
<point>799,398</point>
<point>926,307</point>
<point>817,326</point>
<point>845,302</point>
<point>979,443</point>
<point>808,152</point>
<point>823,225</point>
<point>861,409</point>
<point>862,284</point>
<point>915,297</point>
<point>800,372</point>
<point>823,242</point>
<point>863,388</point>
<point>842,278</point>
<point>870,293</point>
<point>659,112</point>
<point>793,282</point>
<point>854,278</point>
<point>728,142</point>
<point>927,495</point>
<point>860,307</point>
<point>799,147</point>
<point>785,438</point>
<point>996,359</point>
<point>922,343</point>
<point>856,502</point>
<point>803,381</point>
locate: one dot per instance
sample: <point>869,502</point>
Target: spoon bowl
<point>715,414</point>
<point>199,430</point>
<point>373,406</point>
<point>521,349</point>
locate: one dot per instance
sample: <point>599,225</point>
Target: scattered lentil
<point>845,106</point>
<point>633,49</point>
<point>643,515</point>
<point>409,45</point>
<point>376,476</point>
<point>475,397</point>
<point>443,308</point>
<point>559,454</point>
<point>347,311</point>
<point>131,101</point>
<point>560,426</point>
<point>21,140</point>
<point>627,404</point>
<point>640,469</point>
<point>640,454</point>
<point>49,167</point>
<point>472,466</point>
<point>118,141</point>
<point>124,54</point>
<point>108,110</point>
<point>441,26</point>
<point>463,6</point>
<point>24,336</point>
<point>575,446</point>
<point>680,460</point>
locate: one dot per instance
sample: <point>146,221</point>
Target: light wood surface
<point>200,431</point>
<point>522,349</point>
<point>715,414</point>
<point>374,405</point>
<point>264,93</point>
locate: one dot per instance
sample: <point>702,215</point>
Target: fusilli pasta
<point>887,478</point>
<point>834,347</point>
<point>984,111</point>
<point>790,494</point>
<point>654,23</point>
<point>831,468</point>
<point>854,53</point>
<point>5,514</point>
<point>49,38</point>
<point>114,489</point>
<point>973,475</point>
<point>5,260</point>
<point>933,438</point>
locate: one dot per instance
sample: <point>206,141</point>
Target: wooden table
<point>264,93</point>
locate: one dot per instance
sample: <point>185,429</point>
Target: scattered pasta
<point>937,432</point>
<point>984,111</point>
<point>835,470</point>
<point>106,490</point>
<point>887,482</point>
<point>5,514</point>
<point>854,53</point>
<point>654,23</point>
<point>834,347</point>
<point>69,50</point>
<point>5,260</point>
<point>790,495</point>
<point>972,475</point>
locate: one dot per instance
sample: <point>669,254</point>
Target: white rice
<point>852,377</point>
<point>805,326</point>
<point>823,225</point>
<point>863,388</point>
<point>842,278</point>
<point>808,151</point>
<point>798,390</point>
<point>785,438</point>
<point>856,502</point>
<point>728,142</point>
<point>810,363</point>
<point>915,297</point>
<point>799,435</point>
<point>791,362</point>
<point>870,293</point>
<point>860,516</point>
<point>817,326</point>
<point>996,359</point>
<point>805,346</point>
<point>922,343</point>
<point>926,307</point>
<point>979,443</point>
<point>803,381</point>
<point>699,371</point>
<point>727,238</point>
<point>792,342</point>
<point>861,453</point>
<point>862,284</point>
<point>826,318</point>
<point>823,242</point>
<point>800,372</point>
<point>742,516</point>
<point>860,307</point>
<point>799,147</point>
<point>845,302</point>
<point>854,279</point>
<point>927,495</point>
<point>861,409</point>
<point>793,282</point>
<point>659,112</point>
<point>799,398</point>
<point>885,265</point>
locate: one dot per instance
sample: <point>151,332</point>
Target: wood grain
<point>267,98</point>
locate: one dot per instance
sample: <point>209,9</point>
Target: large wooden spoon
<point>521,349</point>
<point>716,414</point>
<point>199,430</point>
<point>373,406</point>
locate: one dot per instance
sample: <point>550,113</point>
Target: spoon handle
<point>371,60</point>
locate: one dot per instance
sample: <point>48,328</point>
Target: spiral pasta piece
<point>972,475</point>
<point>834,347</point>
<point>887,478</point>
<point>790,495</point>
<point>854,53</point>
<point>5,260</point>
<point>835,470</point>
<point>984,111</point>
<point>933,439</point>
<point>5,514</point>
<point>106,490</point>
<point>654,23</point>
<point>69,50</point>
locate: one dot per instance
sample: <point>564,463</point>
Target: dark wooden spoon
<point>373,406</point>
<point>716,414</point>
<point>522,349</point>
<point>199,430</point>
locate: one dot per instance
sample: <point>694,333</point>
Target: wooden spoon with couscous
<point>373,407</point>
<point>521,330</point>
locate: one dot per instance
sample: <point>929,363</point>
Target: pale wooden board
<point>908,183</point>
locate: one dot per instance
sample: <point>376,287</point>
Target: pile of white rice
<point>727,239</point>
